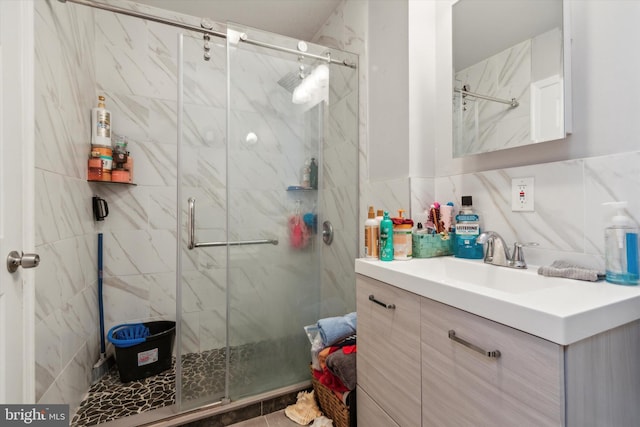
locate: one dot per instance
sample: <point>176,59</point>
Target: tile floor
<point>275,419</point>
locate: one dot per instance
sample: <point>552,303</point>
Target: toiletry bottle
<point>305,182</point>
<point>313,174</point>
<point>446,214</point>
<point>371,234</point>
<point>386,238</point>
<point>100,124</point>
<point>621,246</point>
<point>402,241</point>
<point>379,216</point>
<point>467,231</point>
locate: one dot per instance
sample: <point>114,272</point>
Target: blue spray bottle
<point>386,238</point>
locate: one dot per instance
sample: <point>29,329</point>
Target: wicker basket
<point>330,405</point>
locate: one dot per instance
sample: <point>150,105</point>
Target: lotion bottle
<point>621,247</point>
<point>386,238</point>
<point>371,234</point>
<point>100,124</point>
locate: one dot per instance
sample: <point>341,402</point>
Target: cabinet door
<point>370,414</point>
<point>462,387</point>
<point>389,349</point>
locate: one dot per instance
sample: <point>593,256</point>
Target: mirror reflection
<point>507,74</point>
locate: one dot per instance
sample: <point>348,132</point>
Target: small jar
<point>120,175</point>
<point>94,169</point>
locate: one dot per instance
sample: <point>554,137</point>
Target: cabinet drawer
<point>462,387</point>
<point>370,414</point>
<point>389,349</point>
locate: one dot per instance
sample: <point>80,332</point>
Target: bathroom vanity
<point>450,342</point>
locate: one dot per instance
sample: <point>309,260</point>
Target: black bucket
<point>149,357</point>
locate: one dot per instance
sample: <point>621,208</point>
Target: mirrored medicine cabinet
<point>510,74</point>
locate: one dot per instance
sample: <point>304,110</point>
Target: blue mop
<point>103,364</point>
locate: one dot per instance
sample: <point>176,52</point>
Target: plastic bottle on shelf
<point>100,124</point>
<point>313,174</point>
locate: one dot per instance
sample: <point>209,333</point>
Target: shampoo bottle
<point>386,238</point>
<point>371,234</point>
<point>100,124</point>
<point>621,247</point>
<point>467,231</point>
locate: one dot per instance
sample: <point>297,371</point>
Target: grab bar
<point>191,233</point>
<point>511,102</point>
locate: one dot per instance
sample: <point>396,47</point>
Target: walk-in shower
<point>224,234</point>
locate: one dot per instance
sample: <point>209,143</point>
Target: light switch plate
<point>522,194</point>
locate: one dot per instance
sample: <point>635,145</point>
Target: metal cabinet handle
<point>492,354</point>
<point>389,306</point>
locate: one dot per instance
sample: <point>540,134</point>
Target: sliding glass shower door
<point>274,289</point>
<point>269,152</point>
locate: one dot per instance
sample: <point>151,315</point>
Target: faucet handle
<point>518,254</point>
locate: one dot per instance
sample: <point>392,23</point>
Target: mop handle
<point>102,344</point>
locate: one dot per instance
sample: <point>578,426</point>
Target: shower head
<point>290,81</point>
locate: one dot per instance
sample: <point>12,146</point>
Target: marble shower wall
<point>66,292</point>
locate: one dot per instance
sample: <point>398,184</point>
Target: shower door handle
<point>191,233</point>
<point>191,224</point>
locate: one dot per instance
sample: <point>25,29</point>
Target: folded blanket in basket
<point>342,364</point>
<point>333,329</point>
<point>568,270</point>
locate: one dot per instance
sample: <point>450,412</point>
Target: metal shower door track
<point>211,32</point>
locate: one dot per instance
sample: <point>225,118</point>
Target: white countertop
<point>560,310</point>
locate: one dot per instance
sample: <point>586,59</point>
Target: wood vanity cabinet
<point>388,358</point>
<point>520,386</point>
<point>594,382</point>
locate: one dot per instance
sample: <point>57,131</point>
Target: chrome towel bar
<point>191,233</point>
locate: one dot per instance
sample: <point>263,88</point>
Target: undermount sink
<point>477,273</point>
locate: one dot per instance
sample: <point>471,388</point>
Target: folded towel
<point>333,329</point>
<point>342,364</point>
<point>569,270</point>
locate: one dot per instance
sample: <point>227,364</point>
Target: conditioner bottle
<point>100,124</point>
<point>371,235</point>
<point>386,238</point>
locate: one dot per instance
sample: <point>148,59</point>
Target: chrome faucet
<point>497,253</point>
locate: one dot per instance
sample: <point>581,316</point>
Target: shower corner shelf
<point>112,182</point>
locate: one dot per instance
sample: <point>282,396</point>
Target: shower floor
<point>110,399</point>
<point>203,374</point>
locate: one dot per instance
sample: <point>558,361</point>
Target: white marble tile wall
<point>345,30</point>
<point>66,324</point>
<point>568,221</point>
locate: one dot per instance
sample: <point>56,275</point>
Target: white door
<point>17,382</point>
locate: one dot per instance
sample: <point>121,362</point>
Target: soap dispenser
<point>621,246</point>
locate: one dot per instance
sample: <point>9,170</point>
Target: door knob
<point>15,260</point>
